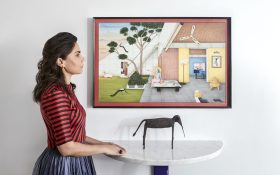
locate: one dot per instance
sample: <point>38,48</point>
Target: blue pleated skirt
<point>51,162</point>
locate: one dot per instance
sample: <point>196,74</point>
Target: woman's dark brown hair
<point>59,46</point>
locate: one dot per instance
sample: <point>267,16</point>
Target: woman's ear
<point>60,62</point>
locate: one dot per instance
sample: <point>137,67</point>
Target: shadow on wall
<point>131,168</point>
<point>89,62</point>
<point>102,163</point>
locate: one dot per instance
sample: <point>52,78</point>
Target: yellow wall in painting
<point>184,54</point>
<point>220,72</point>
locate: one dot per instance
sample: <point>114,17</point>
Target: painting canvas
<point>162,62</point>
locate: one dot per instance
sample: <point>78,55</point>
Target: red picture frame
<point>149,62</point>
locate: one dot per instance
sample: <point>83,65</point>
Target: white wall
<point>250,130</point>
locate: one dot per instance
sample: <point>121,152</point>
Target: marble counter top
<point>159,153</point>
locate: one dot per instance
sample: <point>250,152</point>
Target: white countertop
<point>159,153</point>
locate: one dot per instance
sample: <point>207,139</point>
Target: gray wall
<point>250,130</point>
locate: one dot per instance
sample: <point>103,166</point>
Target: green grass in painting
<point>108,86</point>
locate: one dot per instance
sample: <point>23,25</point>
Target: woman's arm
<point>92,141</point>
<point>78,149</point>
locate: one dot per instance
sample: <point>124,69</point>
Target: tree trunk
<point>135,67</point>
<point>141,61</point>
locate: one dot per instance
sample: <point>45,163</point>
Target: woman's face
<point>74,62</point>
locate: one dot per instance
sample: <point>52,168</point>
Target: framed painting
<point>162,62</point>
<point>216,62</point>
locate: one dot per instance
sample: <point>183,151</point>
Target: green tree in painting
<point>113,49</point>
<point>139,34</point>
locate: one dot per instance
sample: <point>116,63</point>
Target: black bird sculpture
<point>117,91</point>
<point>160,123</point>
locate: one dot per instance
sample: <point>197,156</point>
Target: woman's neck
<point>67,76</point>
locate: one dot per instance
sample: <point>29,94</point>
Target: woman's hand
<point>114,149</point>
<point>123,149</point>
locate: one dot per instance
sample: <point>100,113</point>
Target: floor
<point>185,94</point>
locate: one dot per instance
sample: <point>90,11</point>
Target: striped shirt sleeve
<point>57,109</point>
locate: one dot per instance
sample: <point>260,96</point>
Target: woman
<point>69,149</point>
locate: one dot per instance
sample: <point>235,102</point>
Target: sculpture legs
<point>144,135</point>
<point>172,136</point>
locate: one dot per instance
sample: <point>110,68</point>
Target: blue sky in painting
<point>112,27</point>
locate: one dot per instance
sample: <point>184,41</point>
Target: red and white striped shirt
<point>63,115</point>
